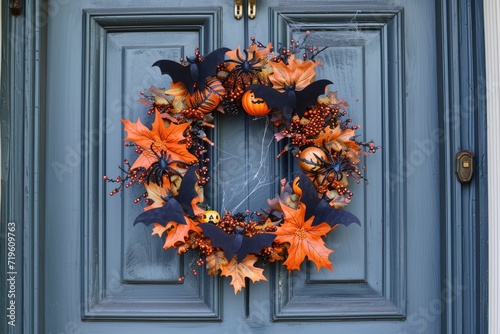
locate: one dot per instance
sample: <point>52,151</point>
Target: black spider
<point>162,167</point>
<point>245,70</point>
<point>335,166</point>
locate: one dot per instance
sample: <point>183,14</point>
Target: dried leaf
<point>238,272</point>
<point>331,99</point>
<point>177,90</point>
<point>339,140</point>
<point>299,73</point>
<point>157,193</point>
<point>177,233</point>
<point>215,262</point>
<point>159,229</point>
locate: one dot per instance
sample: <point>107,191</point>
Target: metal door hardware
<point>16,7</point>
<point>238,9</point>
<point>464,166</point>
<point>252,9</point>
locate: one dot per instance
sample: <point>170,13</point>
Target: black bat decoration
<point>236,243</point>
<point>195,73</point>
<point>170,211</point>
<point>175,207</point>
<point>319,208</point>
<point>187,191</point>
<point>290,100</point>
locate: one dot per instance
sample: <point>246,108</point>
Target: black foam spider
<point>334,168</point>
<point>162,167</point>
<point>245,70</point>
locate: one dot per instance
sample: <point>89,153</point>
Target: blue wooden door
<point>103,275</point>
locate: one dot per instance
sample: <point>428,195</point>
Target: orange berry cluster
<point>193,113</point>
<point>303,131</point>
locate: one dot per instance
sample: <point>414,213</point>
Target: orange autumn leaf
<point>177,89</point>
<point>197,210</point>
<point>161,138</point>
<point>261,53</point>
<point>235,55</point>
<point>339,140</point>
<point>176,233</point>
<point>304,239</point>
<point>157,193</point>
<point>254,54</point>
<point>238,272</point>
<point>159,229</point>
<point>298,72</point>
<point>215,262</point>
<point>332,99</point>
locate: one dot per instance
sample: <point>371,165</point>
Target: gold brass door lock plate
<point>464,166</point>
<point>238,9</point>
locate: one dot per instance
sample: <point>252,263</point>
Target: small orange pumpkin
<point>211,216</point>
<point>310,159</point>
<point>208,99</point>
<point>253,105</point>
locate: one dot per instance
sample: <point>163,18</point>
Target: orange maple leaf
<point>215,262</point>
<point>304,239</point>
<point>339,140</point>
<point>157,193</point>
<point>176,233</point>
<point>298,72</point>
<point>159,229</point>
<point>238,272</point>
<point>261,53</point>
<point>176,89</point>
<point>161,138</point>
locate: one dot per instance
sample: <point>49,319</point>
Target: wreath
<point>173,168</point>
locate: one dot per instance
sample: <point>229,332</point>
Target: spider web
<point>245,163</point>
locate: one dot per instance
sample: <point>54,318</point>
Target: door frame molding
<point>461,75</point>
<point>492,55</point>
<point>464,232</point>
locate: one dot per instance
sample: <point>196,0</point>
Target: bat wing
<point>284,101</point>
<point>309,95</point>
<point>324,212</point>
<point>187,191</point>
<point>208,66</point>
<point>170,211</point>
<point>254,245</point>
<point>320,208</point>
<point>177,71</point>
<point>236,243</point>
<point>309,195</point>
<point>220,238</point>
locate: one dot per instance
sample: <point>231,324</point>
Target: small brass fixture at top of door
<point>251,10</point>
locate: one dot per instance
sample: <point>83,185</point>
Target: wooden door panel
<point>127,274</point>
<point>368,280</point>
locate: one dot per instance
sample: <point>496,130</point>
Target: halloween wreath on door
<point>172,167</point>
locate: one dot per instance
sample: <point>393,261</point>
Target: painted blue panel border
<point>183,302</point>
<point>352,299</point>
